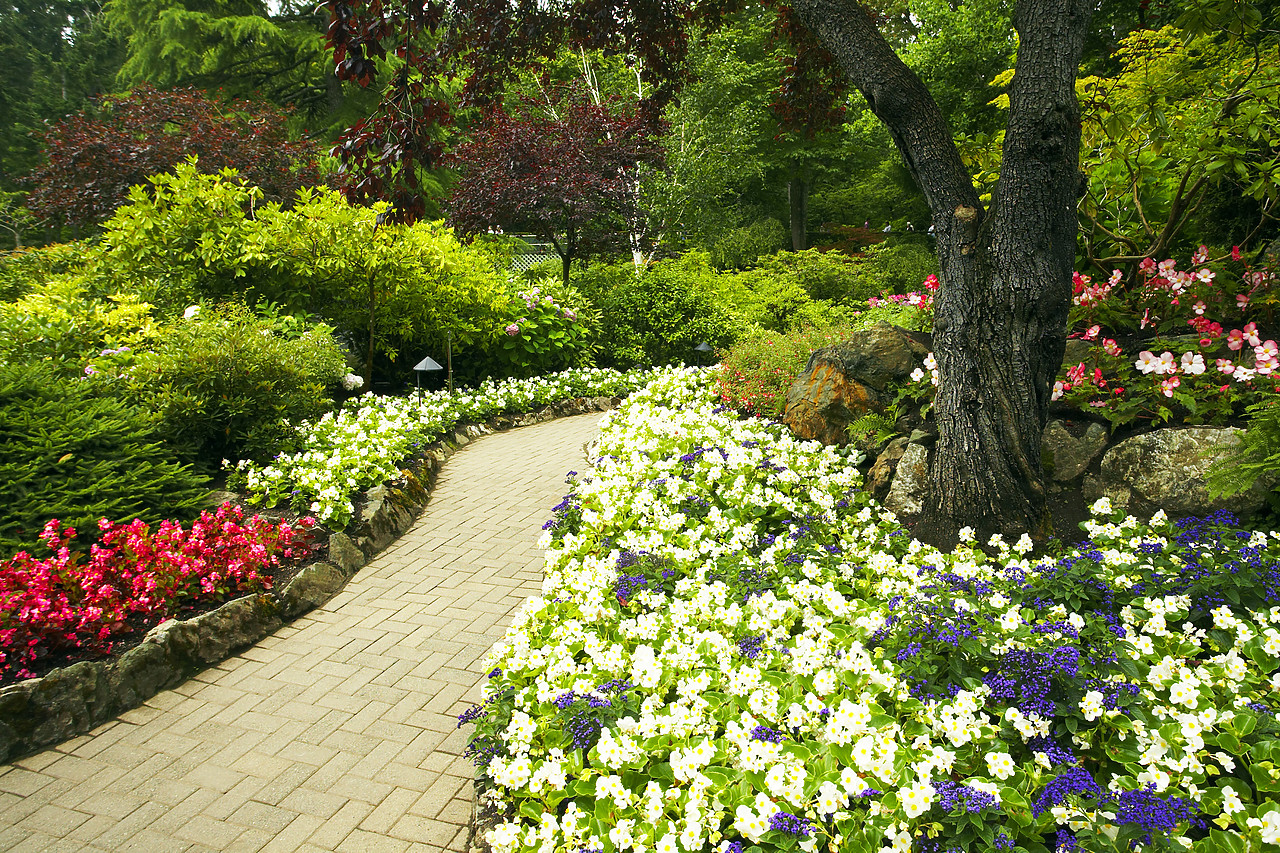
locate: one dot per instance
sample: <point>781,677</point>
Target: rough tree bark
<point>1001,314</point>
<point>798,200</point>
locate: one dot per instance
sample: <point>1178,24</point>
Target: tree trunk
<point>798,196</point>
<point>1001,314</point>
<point>368,360</point>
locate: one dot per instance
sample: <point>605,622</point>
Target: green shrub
<point>70,454</point>
<point>659,316</point>
<point>756,373</point>
<point>23,270</point>
<point>227,383</point>
<point>548,327</point>
<point>743,247</point>
<point>58,322</point>
<point>1257,455</point>
<point>897,267</point>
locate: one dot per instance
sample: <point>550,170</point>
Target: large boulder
<point>1067,456</point>
<point>1167,469</point>
<point>842,383</point>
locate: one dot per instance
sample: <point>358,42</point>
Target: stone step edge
<point>41,712</point>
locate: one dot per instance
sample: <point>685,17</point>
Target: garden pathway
<point>338,732</point>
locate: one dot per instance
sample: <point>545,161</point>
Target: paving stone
<point>338,732</point>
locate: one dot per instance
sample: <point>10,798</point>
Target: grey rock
<point>881,474</point>
<point>210,637</point>
<point>142,672</point>
<point>1166,469</point>
<point>906,493</point>
<point>345,554</point>
<point>64,702</point>
<point>311,587</point>
<point>1070,456</point>
<point>1076,352</point>
<point>218,497</point>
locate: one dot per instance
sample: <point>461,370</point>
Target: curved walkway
<point>338,732</point>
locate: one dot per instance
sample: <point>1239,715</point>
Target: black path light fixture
<point>429,364</point>
<point>701,349</point>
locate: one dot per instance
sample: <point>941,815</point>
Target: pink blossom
<point>513,330</point>
<point>1199,307</point>
<point>1147,362</point>
<point>1235,253</point>
<point>1242,301</point>
<point>1235,340</point>
<point>1251,334</point>
<point>1225,365</point>
<point>1167,267</point>
<point>1201,255</point>
<point>1110,347</point>
<point>1167,386</point>
<point>1092,333</point>
<point>1147,265</point>
<point>1058,389</point>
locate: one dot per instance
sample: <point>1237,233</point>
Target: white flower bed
<point>736,650</point>
<point>362,445</point>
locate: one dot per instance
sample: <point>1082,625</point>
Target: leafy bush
<point>660,315</point>
<point>132,579</point>
<point>756,372</point>
<point>67,453</point>
<point>548,327</point>
<point>894,267</point>
<point>60,323</point>
<point>227,383</point>
<point>743,247</point>
<point>24,269</point>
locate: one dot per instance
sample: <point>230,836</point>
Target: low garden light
<point>701,348</point>
<point>427,364</point>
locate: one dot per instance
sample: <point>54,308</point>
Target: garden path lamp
<point>421,367</point>
<point>703,347</point>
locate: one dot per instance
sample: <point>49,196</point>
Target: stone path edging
<point>75,699</point>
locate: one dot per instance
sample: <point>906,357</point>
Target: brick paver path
<point>338,732</point>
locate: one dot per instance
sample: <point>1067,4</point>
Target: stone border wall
<point>41,712</point>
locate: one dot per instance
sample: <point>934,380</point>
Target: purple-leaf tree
<point>563,170</point>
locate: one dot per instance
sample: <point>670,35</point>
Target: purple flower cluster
<point>750,647</point>
<point>1057,755</point>
<point>764,733</point>
<point>1074,781</point>
<point>790,824</point>
<point>1025,678</point>
<point>1152,813</point>
<point>954,795</point>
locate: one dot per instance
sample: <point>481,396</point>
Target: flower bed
<point>67,605</point>
<point>736,650</point>
<point>361,446</point>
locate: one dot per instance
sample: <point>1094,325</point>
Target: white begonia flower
<point>917,798</point>
<point>1000,765</point>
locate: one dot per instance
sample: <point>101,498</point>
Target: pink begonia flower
<point>1266,366</point>
<point>1076,373</point>
<point>1116,276</point>
<point>1147,265</point>
<point>1146,318</point>
<point>1235,340</point>
<point>1167,386</point>
<point>1193,363</point>
<point>513,330</point>
<point>1092,333</point>
<point>1058,388</point>
<point>1201,255</point>
<point>1199,307</point>
<point>1235,253</point>
<point>1205,275</point>
<point>1225,365</point>
<point>1266,350</point>
<point>1147,362</point>
<point>1251,334</point>
<point>1110,347</point>
<point>1167,363</point>
<point>1167,267</point>
<point>1242,301</point>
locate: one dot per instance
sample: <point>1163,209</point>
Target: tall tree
<point>563,170</point>
<point>1001,315</point>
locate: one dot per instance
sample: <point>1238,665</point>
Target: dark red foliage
<point>564,172</point>
<point>95,156</point>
